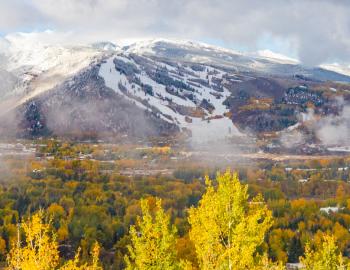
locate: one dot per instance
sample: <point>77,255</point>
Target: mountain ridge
<point>193,86</point>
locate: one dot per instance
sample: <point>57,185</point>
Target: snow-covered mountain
<point>185,95</point>
<point>264,62</point>
<point>168,85</point>
<point>31,67</point>
<point>105,46</point>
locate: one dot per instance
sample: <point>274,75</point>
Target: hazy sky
<point>315,31</point>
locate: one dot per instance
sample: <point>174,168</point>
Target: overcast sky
<point>314,31</point>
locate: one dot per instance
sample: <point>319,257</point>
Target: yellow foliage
<point>76,265</point>
<point>227,229</point>
<point>257,104</point>
<point>36,165</point>
<point>325,256</point>
<point>56,210</point>
<point>2,246</point>
<point>62,233</point>
<point>161,150</point>
<point>153,241</point>
<point>39,251</point>
<point>341,194</point>
<point>185,249</point>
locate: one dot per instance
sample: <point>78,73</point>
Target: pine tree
<point>295,250</point>
<point>153,241</point>
<point>227,229</point>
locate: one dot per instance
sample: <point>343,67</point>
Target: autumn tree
<point>153,241</point>
<point>75,264</point>
<point>280,243</point>
<point>39,249</point>
<point>325,256</point>
<point>227,228</point>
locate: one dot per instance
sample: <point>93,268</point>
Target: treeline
<point>227,230</point>
<point>86,205</point>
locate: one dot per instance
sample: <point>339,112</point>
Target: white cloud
<point>318,30</point>
<point>17,14</point>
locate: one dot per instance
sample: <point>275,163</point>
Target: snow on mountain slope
<point>105,46</point>
<point>112,78</point>
<point>264,62</point>
<point>163,97</point>
<point>279,58</point>
<point>38,66</point>
<point>188,51</point>
<point>342,69</point>
<point>150,46</point>
<point>176,82</point>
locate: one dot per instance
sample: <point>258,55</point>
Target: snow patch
<point>202,130</point>
<point>280,58</point>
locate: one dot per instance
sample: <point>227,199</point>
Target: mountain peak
<point>149,45</point>
<point>105,46</point>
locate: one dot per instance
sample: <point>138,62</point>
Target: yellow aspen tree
<point>75,264</point>
<point>227,229</point>
<point>153,241</point>
<point>38,250</point>
<point>325,256</point>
